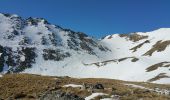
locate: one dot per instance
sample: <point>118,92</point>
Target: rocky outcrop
<point>56,55</point>
<point>60,95</point>
<point>16,61</point>
<point>24,40</point>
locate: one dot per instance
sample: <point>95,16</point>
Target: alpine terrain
<point>35,46</point>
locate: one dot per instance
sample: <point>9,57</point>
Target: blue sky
<point>95,17</point>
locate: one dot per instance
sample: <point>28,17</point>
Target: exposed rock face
<point>92,88</point>
<point>25,41</point>
<point>55,55</point>
<point>16,60</point>
<point>2,60</point>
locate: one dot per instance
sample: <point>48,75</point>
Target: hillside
<point>35,46</point>
<point>31,87</point>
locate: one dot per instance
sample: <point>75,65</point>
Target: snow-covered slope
<point>150,52</point>
<point>35,46</point>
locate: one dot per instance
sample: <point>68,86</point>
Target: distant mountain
<point>35,46</point>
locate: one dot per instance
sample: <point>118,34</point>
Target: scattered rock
<point>60,95</point>
<point>56,55</point>
<point>98,86</point>
<point>20,95</point>
<point>134,59</point>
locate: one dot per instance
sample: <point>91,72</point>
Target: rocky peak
<point>25,40</point>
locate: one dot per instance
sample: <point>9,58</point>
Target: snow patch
<point>136,86</point>
<point>93,95</point>
<point>107,99</point>
<point>22,58</point>
<point>73,85</point>
<point>1,75</point>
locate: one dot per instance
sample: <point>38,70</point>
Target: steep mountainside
<point>34,42</point>
<point>35,46</point>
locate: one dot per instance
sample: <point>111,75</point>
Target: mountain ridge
<point>35,46</point>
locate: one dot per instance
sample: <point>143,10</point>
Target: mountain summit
<point>35,46</point>
<point>26,43</point>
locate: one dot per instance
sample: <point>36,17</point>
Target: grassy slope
<point>26,86</point>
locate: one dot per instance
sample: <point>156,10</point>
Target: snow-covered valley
<point>35,46</point>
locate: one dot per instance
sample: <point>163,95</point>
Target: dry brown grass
<point>25,86</point>
<point>77,91</point>
<point>151,85</point>
<point>117,87</point>
<point>139,45</point>
<point>158,77</point>
<point>156,66</point>
<point>110,37</point>
<point>159,47</point>
<point>134,37</point>
<point>122,59</point>
<point>133,59</point>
